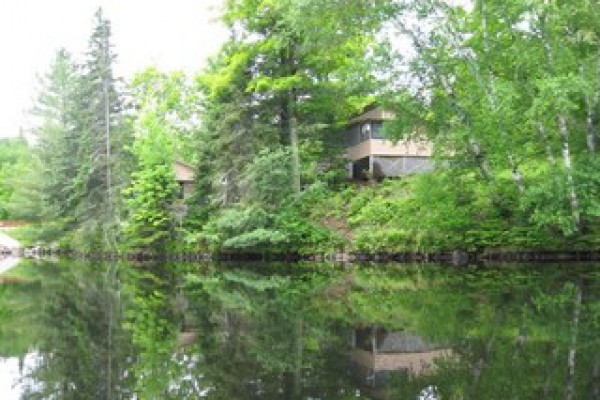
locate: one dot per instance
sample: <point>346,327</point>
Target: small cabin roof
<point>183,172</point>
<point>373,114</point>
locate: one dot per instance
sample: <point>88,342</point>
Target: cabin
<point>371,156</point>
<point>377,354</point>
<point>184,174</point>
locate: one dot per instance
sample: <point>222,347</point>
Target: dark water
<point>76,330</point>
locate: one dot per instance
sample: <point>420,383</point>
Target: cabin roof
<point>373,114</point>
<point>397,342</point>
<point>183,172</point>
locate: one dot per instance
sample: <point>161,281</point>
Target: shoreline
<point>456,258</point>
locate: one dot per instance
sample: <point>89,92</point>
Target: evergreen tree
<point>81,140</point>
<point>57,140</point>
<point>278,83</point>
<point>100,141</point>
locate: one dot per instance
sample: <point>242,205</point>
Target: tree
<point>149,199</point>
<point>84,351</point>
<point>164,128</point>
<point>16,163</point>
<point>278,91</point>
<point>56,138</point>
<point>100,141</point>
<point>494,88</point>
<point>80,143</point>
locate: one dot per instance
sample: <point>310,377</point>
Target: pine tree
<point>56,138</point>
<point>98,122</point>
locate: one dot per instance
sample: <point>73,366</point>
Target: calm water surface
<point>77,330</point>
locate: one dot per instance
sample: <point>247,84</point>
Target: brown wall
<point>384,147</point>
<point>415,363</point>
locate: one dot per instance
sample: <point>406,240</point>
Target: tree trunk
<point>480,366</point>
<point>107,225</point>
<point>299,349</point>
<point>485,357</point>
<point>564,134</point>
<point>549,369</point>
<point>591,105</point>
<point>292,379</point>
<point>570,384</point>
<point>520,342</point>
<point>295,155</point>
<point>474,145</point>
<point>596,379</point>
<point>591,126</point>
<point>489,88</point>
<point>482,163</point>
<point>566,153</point>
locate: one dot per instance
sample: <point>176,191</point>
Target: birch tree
<point>509,88</point>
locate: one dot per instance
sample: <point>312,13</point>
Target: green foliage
<point>80,144</point>
<point>18,313</point>
<point>173,97</point>
<point>503,95</point>
<point>510,105</point>
<point>276,97</point>
<point>306,236</point>
<point>264,229</point>
<point>152,322</point>
<point>82,346</point>
<point>153,190</point>
<point>17,180</point>
<point>242,228</point>
<point>267,178</point>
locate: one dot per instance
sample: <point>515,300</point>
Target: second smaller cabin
<point>184,174</point>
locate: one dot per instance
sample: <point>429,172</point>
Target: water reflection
<point>377,355</point>
<point>120,331</point>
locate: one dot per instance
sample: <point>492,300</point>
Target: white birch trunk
<point>590,128</point>
<point>484,167</point>
<point>298,358</point>
<point>570,384</point>
<point>591,105</point>
<point>295,156</point>
<point>566,153</point>
<point>489,88</point>
<point>596,379</point>
<point>481,364</point>
<point>520,342</point>
<point>549,369</point>
<point>474,145</point>
<point>564,134</point>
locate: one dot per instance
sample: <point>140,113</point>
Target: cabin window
<point>377,130</point>
<point>181,190</point>
<point>354,135</point>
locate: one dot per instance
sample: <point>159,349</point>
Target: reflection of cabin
<point>184,174</point>
<point>376,354</point>
<point>371,155</point>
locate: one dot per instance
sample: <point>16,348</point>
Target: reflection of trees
<point>524,335</point>
<point>83,349</point>
<point>513,333</point>
<point>261,338</point>
<point>110,332</point>
<point>154,320</point>
<point>269,333</point>
<point>19,299</point>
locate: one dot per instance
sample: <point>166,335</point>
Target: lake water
<point>82,330</point>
